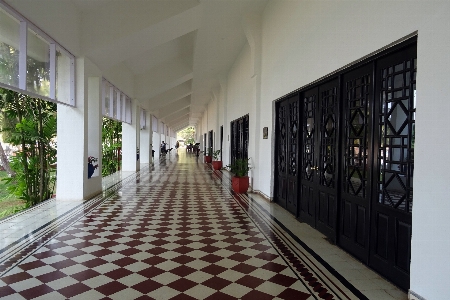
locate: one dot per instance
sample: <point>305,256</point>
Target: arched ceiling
<point>175,50</point>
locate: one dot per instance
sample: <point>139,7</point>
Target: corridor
<point>175,230</point>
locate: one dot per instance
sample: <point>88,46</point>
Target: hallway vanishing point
<point>174,230</point>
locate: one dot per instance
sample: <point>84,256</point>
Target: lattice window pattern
<point>309,117</point>
<point>328,133</point>
<point>356,167</point>
<point>396,135</point>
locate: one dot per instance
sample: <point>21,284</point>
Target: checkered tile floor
<point>175,232</point>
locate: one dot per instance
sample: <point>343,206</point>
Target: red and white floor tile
<point>174,231</point>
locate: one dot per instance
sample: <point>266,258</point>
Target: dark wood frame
<point>371,211</point>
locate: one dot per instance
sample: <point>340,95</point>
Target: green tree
<point>188,135</point>
<point>111,146</point>
<point>33,129</point>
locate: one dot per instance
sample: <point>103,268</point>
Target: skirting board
<point>414,296</point>
<point>263,195</point>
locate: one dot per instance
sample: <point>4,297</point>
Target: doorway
<point>348,143</point>
<point>239,138</point>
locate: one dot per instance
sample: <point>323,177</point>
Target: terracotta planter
<point>240,184</point>
<point>217,164</point>
<point>208,159</point>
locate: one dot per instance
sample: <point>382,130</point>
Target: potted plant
<point>91,166</point>
<point>240,180</point>
<point>216,163</point>
<point>208,156</point>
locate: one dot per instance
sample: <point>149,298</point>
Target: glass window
<point>106,95</point>
<point>143,119</point>
<point>154,124</point>
<point>128,111</point>
<point>64,77</point>
<point>9,49</point>
<point>116,96</point>
<point>124,104</point>
<point>38,64</point>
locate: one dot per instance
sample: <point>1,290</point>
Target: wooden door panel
<point>286,181</point>
<point>403,231</point>
<point>356,169</point>
<point>307,205</point>
<point>392,199</point>
<point>292,154</point>
<point>328,157</point>
<point>291,194</point>
<point>326,209</point>
<point>308,174</point>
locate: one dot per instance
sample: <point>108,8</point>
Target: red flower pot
<point>240,184</point>
<point>217,164</point>
<point>208,159</point>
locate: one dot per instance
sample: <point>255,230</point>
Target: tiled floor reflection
<point>175,231</point>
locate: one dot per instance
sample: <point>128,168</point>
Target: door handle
<point>315,168</point>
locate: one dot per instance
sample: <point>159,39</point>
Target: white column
<point>79,136</point>
<point>93,185</point>
<point>130,141</point>
<point>145,148</point>
<point>150,134</point>
<point>156,143</point>
<point>72,128</point>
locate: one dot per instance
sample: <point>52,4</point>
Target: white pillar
<point>130,141</point>
<point>79,136</point>
<point>145,148</point>
<point>156,143</point>
<point>93,185</point>
<point>71,131</point>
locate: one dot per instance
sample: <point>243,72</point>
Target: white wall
<point>305,40</point>
<point>212,122</point>
<point>239,89</point>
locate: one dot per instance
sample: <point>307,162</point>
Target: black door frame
<point>221,141</point>
<point>360,235</point>
<point>239,132</point>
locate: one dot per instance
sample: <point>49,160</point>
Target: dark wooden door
<point>328,158</point>
<point>281,143</point>
<point>309,174</point>
<point>239,138</point>
<point>357,100</point>
<point>319,175</point>
<point>204,143</point>
<point>288,129</point>
<point>211,140</point>
<point>390,251</point>
<point>221,142</point>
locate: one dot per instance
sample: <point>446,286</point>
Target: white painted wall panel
<point>305,40</point>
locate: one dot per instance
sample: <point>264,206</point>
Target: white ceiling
<point>175,50</point>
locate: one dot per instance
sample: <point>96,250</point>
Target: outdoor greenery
<point>112,145</point>
<point>188,135</point>
<point>30,125</point>
<point>9,204</point>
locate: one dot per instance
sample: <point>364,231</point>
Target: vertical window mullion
<point>52,70</point>
<point>119,106</point>
<point>103,97</point>
<point>23,55</point>
<point>111,99</point>
<point>72,81</point>
<point>124,108</point>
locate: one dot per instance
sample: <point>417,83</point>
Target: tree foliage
<point>32,127</point>
<point>188,134</point>
<point>111,146</point>
<point>38,76</point>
